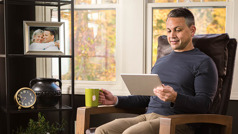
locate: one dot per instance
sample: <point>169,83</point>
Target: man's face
<point>48,37</point>
<point>179,35</point>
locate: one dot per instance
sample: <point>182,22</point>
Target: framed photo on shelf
<point>44,38</point>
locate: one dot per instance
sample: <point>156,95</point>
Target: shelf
<point>2,56</point>
<point>34,56</point>
<point>18,68</point>
<point>40,2</point>
<point>13,109</point>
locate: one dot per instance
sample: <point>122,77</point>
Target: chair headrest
<point>214,45</point>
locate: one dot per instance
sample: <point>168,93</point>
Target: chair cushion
<point>214,45</point>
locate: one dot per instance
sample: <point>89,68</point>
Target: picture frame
<point>44,38</point>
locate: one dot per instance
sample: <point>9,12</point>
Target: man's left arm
<point>205,86</point>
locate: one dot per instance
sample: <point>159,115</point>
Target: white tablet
<point>141,84</point>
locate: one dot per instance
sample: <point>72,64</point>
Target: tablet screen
<point>141,84</point>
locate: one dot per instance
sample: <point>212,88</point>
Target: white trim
<point>149,38</point>
<point>229,18</point>
<point>234,95</point>
<point>145,2</point>
<point>234,34</point>
<point>100,6</point>
<point>188,4</point>
<point>81,85</point>
<point>43,65</point>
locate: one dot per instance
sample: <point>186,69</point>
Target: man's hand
<point>107,98</point>
<point>165,93</point>
<point>57,44</point>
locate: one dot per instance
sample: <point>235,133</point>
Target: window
<point>95,41</point>
<point>210,18</point>
<point>114,37</point>
<point>95,45</point>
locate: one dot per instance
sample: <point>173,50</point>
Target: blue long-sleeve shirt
<point>192,74</point>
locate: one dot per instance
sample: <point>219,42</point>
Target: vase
<point>47,90</point>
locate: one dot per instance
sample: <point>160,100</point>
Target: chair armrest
<point>83,115</point>
<point>168,124</point>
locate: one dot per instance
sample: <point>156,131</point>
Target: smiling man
<point>49,40</point>
<point>189,80</point>
<point>179,34</point>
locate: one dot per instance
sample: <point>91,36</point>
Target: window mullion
<point>101,6</point>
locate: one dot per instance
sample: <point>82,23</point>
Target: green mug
<point>91,97</point>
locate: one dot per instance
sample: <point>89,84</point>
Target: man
<point>49,35</point>
<point>49,40</point>
<point>189,80</point>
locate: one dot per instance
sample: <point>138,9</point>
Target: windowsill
<point>114,87</point>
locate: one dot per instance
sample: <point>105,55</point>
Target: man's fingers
<point>162,89</point>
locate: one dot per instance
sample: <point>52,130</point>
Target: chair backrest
<point>222,50</point>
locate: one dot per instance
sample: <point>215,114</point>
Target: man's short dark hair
<point>183,12</point>
<point>51,30</point>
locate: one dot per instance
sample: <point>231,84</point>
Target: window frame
<point>231,12</point>
<point>152,6</point>
<point>81,85</point>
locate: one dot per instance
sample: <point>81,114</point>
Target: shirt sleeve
<point>132,101</point>
<point>205,86</point>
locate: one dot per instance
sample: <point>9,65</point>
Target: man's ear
<point>193,30</point>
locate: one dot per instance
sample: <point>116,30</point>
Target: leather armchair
<point>222,50</point>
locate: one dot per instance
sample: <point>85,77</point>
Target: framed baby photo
<point>44,38</point>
